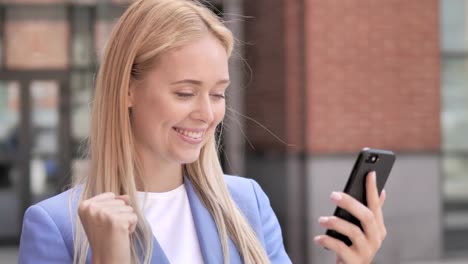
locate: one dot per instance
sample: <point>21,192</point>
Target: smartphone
<point>378,160</point>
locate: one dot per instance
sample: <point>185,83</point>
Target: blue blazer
<point>47,235</point>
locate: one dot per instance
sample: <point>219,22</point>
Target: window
<point>454,121</point>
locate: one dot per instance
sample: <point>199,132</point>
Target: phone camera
<point>373,158</point>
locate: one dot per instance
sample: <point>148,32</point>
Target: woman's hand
<point>108,221</point>
<point>365,244</point>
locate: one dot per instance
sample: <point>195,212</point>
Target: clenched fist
<point>108,220</point>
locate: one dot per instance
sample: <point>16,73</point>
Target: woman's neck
<point>159,175</point>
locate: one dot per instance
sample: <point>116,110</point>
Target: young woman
<point>156,192</point>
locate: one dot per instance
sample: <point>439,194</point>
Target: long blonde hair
<point>146,30</point>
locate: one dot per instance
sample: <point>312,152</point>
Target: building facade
<point>313,82</point>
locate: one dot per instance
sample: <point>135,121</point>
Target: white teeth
<point>191,134</point>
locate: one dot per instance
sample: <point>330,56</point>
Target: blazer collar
<point>207,232</point>
<point>158,255</point>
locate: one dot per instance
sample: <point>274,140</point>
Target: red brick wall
<point>265,92</point>
<point>372,75</point>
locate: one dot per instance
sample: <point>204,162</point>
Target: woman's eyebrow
<point>199,83</point>
<point>224,81</point>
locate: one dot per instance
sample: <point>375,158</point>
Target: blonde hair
<point>146,30</point>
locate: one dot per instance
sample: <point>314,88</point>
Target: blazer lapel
<point>207,232</point>
<point>158,253</point>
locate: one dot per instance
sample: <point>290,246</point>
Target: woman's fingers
<point>383,195</point>
<point>339,260</point>
<point>132,219</point>
<point>352,231</point>
<point>124,198</point>
<point>366,242</point>
<point>372,193</point>
<point>108,221</point>
<point>336,245</point>
<point>111,203</point>
<point>375,204</point>
<point>358,210</point>
<point>102,197</point>
<point>106,200</point>
<point>108,208</point>
<point>118,209</point>
<point>373,199</point>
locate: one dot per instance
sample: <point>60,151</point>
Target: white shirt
<point>170,218</point>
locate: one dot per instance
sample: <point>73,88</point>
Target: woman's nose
<point>205,110</point>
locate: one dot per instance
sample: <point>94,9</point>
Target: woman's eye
<point>184,95</point>
<point>220,96</point>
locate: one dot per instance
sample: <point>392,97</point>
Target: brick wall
<point>265,91</point>
<point>372,74</point>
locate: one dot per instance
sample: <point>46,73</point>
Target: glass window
<point>454,122</point>
<point>81,84</point>
<point>1,38</point>
<point>44,127</point>
<point>106,18</point>
<point>454,26</point>
<point>454,77</point>
<point>9,117</point>
<point>82,46</point>
<point>9,148</point>
<point>455,103</point>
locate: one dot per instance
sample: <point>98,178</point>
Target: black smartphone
<point>378,160</point>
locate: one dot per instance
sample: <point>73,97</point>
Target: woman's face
<point>178,105</point>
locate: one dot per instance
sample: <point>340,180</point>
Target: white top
<point>170,218</point>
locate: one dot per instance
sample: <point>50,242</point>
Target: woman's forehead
<point>205,58</point>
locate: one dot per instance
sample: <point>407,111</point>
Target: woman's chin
<point>189,159</point>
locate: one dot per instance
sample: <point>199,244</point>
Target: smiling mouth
<point>191,134</point>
